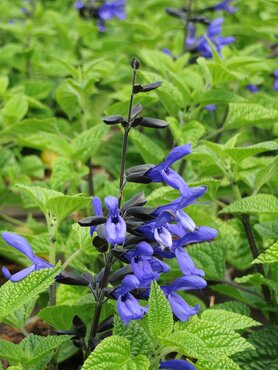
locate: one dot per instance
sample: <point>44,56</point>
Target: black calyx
<point>113,120</point>
<point>92,221</point>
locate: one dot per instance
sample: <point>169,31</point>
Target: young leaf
<point>270,256</point>
<point>261,203</point>
<point>14,295</point>
<point>160,317</point>
<point>140,343</point>
<point>229,320</point>
<point>114,353</point>
<point>10,352</point>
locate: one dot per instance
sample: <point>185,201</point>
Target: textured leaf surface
<point>270,256</point>
<point>10,352</point>
<point>14,295</point>
<point>210,257</point>
<point>233,306</point>
<point>160,317</point>
<point>265,355</point>
<point>222,363</point>
<point>203,339</point>
<point>229,320</point>
<point>148,149</point>
<point>139,340</point>
<point>261,203</point>
<point>238,154</point>
<point>114,353</point>
<point>60,317</point>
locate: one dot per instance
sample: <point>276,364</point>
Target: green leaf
<point>160,317</point>
<point>140,343</point>
<point>203,339</point>
<point>189,132</point>
<point>38,349</point>
<point>114,353</point>
<point>50,200</point>
<point>14,295</point>
<point>238,154</point>
<point>87,144</point>
<point>4,82</point>
<point>68,99</point>
<point>60,317</point>
<point>16,108</point>
<point>267,230</point>
<point>222,363</point>
<point>210,257</point>
<point>220,96</point>
<point>229,320</point>
<point>267,173</point>
<point>265,354</point>
<point>10,352</point>
<point>246,114</point>
<point>261,203</point>
<point>233,306</point>
<point>148,149</point>
<point>270,256</point>
<point>64,205</point>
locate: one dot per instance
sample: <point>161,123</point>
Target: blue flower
<point>146,267</point>
<point>275,85</point>
<point>176,365</point>
<point>98,212</point>
<point>79,4</point>
<point>225,5</point>
<point>115,225</point>
<point>163,172</point>
<point>211,107</point>
<point>22,245</point>
<point>127,305</point>
<point>112,9</point>
<point>191,39</point>
<point>213,31</point>
<point>252,88</point>
<point>180,308</point>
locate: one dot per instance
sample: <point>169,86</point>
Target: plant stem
<point>255,254</point>
<point>90,178</point>
<point>125,139</point>
<point>185,30</point>
<point>52,230</point>
<point>12,220</point>
<point>103,284</point>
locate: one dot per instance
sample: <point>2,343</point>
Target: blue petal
<point>18,242</point>
<point>185,262</point>
<point>158,265</point>
<point>129,308</point>
<point>116,232</point>
<point>22,274</point>
<point>41,264</point>
<point>142,269</point>
<point>176,365</point>
<point>180,308</point>
<point>129,282</point>
<point>202,234</point>
<point>163,236</point>
<point>176,154</point>
<point>173,179</point>
<point>187,283</point>
<point>164,217</point>
<point>111,203</point>
<point>143,249</point>
<point>6,272</point>
<point>186,221</point>
<point>97,206</point>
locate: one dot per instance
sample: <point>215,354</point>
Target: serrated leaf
<point>10,352</point>
<point>162,195</point>
<point>223,363</point>
<point>139,340</point>
<point>14,295</point>
<point>64,205</point>
<point>233,306</point>
<point>38,349</point>
<point>148,149</point>
<point>238,154</point>
<point>189,132</point>
<point>246,114</point>
<point>257,279</point>
<point>60,317</point>
<point>210,257</point>
<point>87,144</point>
<point>265,355</point>
<point>229,320</point>
<point>160,316</point>
<point>260,203</point>
<point>270,256</point>
<point>62,173</point>
<point>114,353</point>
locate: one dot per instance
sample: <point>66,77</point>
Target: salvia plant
<point>138,200</point>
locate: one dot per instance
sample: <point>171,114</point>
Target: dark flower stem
<point>125,139</point>
<point>255,254</point>
<point>110,259</point>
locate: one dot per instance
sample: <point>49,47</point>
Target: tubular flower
<point>225,5</point>
<point>176,365</point>
<point>22,245</point>
<point>115,225</point>
<point>98,212</point>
